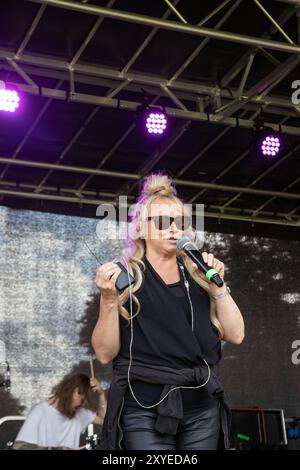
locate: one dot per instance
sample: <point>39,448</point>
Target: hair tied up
<point>159,185</point>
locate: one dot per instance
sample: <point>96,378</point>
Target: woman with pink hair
<point>164,334</point>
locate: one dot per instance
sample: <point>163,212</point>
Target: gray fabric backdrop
<point>48,307</point>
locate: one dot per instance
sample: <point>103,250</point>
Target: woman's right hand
<point>106,277</point>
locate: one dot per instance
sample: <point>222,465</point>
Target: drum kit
<point>4,368</point>
<point>92,440</point>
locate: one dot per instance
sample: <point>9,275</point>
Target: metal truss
<point>176,89</point>
<point>282,32</point>
<point>229,167</point>
<point>171,25</point>
<point>260,177</point>
<point>28,133</point>
<point>87,195</point>
<point>184,89</point>
<point>136,176</point>
<point>127,105</point>
<point>235,214</point>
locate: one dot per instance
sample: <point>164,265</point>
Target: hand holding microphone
<point>113,278</point>
<point>211,267</point>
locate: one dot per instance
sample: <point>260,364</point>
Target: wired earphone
<point>187,286</point>
<point>130,280</point>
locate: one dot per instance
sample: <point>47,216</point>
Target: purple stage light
<point>9,100</point>
<point>156,122</point>
<point>270,145</point>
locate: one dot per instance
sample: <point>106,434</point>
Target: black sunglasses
<point>163,222</point>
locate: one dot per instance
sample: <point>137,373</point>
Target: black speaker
<point>257,428</point>
<point>275,427</point>
<point>247,428</point>
<point>9,429</point>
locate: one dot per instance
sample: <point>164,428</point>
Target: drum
<point>9,428</point>
<point>92,442</point>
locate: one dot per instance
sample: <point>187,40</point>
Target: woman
<point>164,336</point>
<point>59,421</point>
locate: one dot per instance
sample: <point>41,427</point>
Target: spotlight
<point>9,99</point>
<point>152,120</point>
<point>269,143</point>
<point>156,122</point>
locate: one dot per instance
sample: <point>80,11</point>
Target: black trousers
<point>198,430</point>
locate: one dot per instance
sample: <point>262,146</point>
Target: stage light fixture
<point>9,99</point>
<point>153,120</point>
<point>269,143</point>
<point>156,122</point>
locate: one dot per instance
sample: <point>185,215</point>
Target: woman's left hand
<point>212,262</point>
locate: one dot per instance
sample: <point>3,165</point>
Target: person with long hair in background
<point>163,334</point>
<point>57,423</point>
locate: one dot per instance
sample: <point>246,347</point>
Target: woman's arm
<point>229,316</point>
<point>227,311</point>
<point>106,335</point>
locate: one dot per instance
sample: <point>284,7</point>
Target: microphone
<point>6,384</point>
<point>191,250</point>
<point>124,279</point>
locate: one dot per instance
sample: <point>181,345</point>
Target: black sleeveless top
<point>163,335</point>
